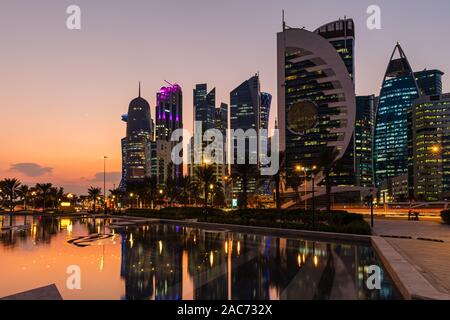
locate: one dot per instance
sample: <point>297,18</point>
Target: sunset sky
<point>63,92</point>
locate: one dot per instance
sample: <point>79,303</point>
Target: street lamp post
<point>104,183</point>
<point>131,201</point>
<point>211,187</point>
<point>305,172</point>
<point>313,177</point>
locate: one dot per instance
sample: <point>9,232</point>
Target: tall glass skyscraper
<point>316,96</point>
<point>431,148</point>
<point>204,106</point>
<point>364,125</point>
<point>169,117</point>
<point>245,102</point>
<point>136,147</point>
<point>205,111</point>
<point>266,101</point>
<point>398,92</point>
<point>429,82</point>
<point>341,35</point>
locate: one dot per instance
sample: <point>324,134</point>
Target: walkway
<point>428,248</point>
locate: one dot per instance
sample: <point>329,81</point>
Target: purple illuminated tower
<point>169,117</point>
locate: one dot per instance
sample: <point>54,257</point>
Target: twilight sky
<point>63,92</point>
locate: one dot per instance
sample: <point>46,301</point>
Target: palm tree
<point>327,162</point>
<point>205,175</point>
<point>185,189</point>
<point>278,178</point>
<point>24,192</point>
<point>94,193</point>
<point>117,195</point>
<point>11,189</point>
<point>44,188</point>
<point>244,173</point>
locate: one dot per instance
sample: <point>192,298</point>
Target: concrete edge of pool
<point>408,280</point>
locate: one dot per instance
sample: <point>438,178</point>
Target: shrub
<point>445,215</point>
<point>338,221</point>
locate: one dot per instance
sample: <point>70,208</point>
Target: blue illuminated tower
<point>398,92</point>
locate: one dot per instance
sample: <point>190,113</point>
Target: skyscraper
<point>204,106</point>
<point>364,126</point>
<point>429,82</point>
<point>169,117</point>
<point>399,90</point>
<point>341,35</point>
<point>316,95</point>
<point>431,148</point>
<point>210,117</point>
<point>245,104</point>
<point>136,147</point>
<point>264,115</point>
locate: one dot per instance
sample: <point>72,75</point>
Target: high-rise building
<point>245,104</point>
<point>221,124</point>
<point>392,137</point>
<point>341,35</point>
<point>431,148</point>
<point>364,126</point>
<point>264,114</point>
<point>316,97</point>
<point>210,117</point>
<point>169,117</point>
<point>429,82</point>
<point>204,106</point>
<point>136,146</point>
<point>169,111</point>
<point>221,118</point>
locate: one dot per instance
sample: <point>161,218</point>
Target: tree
<point>327,162</point>
<point>44,188</point>
<point>205,176</point>
<point>117,195</point>
<point>244,173</point>
<point>24,192</point>
<point>186,187</point>
<point>94,193</point>
<point>151,187</point>
<point>11,188</point>
<point>278,177</point>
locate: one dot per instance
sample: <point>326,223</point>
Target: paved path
<point>430,258</point>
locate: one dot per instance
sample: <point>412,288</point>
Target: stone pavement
<point>428,256</point>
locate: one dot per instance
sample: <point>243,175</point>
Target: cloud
<point>110,177</point>
<point>31,169</point>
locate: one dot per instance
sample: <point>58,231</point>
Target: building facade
<point>245,105</point>
<point>431,148</point>
<point>429,82</point>
<point>316,97</point>
<point>364,126</point>
<point>136,146</point>
<point>169,117</point>
<point>392,131</point>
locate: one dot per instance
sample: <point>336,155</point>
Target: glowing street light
<point>436,149</point>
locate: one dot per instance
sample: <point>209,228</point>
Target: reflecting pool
<point>164,261</point>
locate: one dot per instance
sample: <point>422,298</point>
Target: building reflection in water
<point>162,261</point>
<point>171,262</point>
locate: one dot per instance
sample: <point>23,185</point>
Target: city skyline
<point>88,126</point>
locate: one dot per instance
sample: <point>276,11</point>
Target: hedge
<point>338,221</point>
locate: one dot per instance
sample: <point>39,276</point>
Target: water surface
<point>163,261</point>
